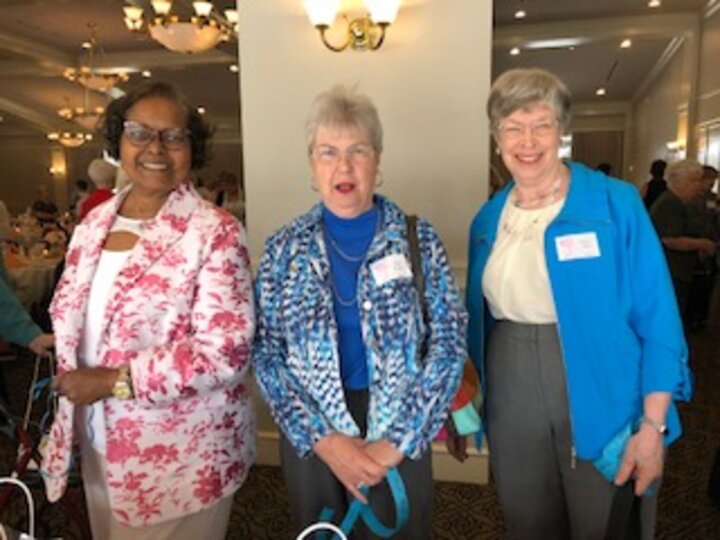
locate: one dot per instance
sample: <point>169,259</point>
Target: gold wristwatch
<point>123,388</point>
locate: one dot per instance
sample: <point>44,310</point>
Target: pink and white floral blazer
<point>181,315</point>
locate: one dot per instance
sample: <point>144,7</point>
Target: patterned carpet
<point>464,512</point>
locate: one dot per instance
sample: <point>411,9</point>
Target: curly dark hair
<point>111,125</point>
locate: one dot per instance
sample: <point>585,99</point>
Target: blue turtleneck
<point>348,241</point>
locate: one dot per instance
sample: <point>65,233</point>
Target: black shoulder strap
<point>416,260</point>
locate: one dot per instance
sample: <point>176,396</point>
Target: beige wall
<point>709,83</point>
<point>429,82</point>
<point>656,116</point>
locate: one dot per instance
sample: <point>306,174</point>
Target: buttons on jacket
<point>367,305</point>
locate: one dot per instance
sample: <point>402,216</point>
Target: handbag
<point>468,398</point>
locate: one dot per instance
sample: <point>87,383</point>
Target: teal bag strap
<point>362,511</point>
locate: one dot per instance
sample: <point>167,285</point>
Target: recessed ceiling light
<point>571,48</point>
<point>201,110</point>
<point>234,68</point>
<point>520,14</point>
<point>515,51</point>
<point>146,73</point>
<point>86,45</point>
<point>600,91</point>
<point>654,3</point>
<point>626,43</point>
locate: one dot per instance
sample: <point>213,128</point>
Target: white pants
<point>208,524</point>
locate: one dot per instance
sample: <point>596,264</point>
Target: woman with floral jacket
<point>357,379</point>
<point>153,318</point>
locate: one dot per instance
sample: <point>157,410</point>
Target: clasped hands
<point>356,462</point>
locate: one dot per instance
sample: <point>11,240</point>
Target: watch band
<point>657,426</point>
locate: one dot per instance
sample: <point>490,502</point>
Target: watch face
<point>121,390</point>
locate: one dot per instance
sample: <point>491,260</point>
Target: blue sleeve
<point>289,403</point>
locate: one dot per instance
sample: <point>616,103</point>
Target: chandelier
<point>86,117</point>
<point>198,32</point>
<point>70,139</point>
<point>88,73</point>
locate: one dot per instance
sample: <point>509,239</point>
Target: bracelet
<point>657,426</point>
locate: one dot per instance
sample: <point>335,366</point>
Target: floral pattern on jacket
<point>180,313</point>
<point>296,354</point>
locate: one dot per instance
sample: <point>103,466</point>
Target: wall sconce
<point>365,33</point>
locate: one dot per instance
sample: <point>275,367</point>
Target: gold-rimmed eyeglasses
<point>513,131</point>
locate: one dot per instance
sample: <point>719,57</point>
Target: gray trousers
<point>312,487</point>
<point>543,494</point>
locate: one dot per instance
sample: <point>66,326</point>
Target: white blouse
<point>516,282</point>
<point>108,268</point>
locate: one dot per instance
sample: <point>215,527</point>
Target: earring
<point>497,150</point>
<point>379,179</point>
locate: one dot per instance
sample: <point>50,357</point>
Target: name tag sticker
<point>577,246</point>
<point>389,268</point>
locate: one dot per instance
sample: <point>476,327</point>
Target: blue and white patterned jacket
<point>296,354</point>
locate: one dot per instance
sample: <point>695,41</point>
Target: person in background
<point>657,184</point>
<point>102,175</point>
<point>680,232</point>
<point>604,168</point>
<point>82,192</point>
<point>154,320</point>
<point>339,351</point>
<point>559,260</point>
<point>230,196</point>
<point>16,326</point>
<point>704,210</point>
<point>44,209</point>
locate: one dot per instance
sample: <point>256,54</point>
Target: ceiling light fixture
<point>654,3</point>
<point>366,33</point>
<point>146,73</point>
<point>234,68</point>
<point>198,33</point>
<point>91,75</point>
<point>626,43</point>
<point>515,51</point>
<point>601,91</point>
<point>520,14</point>
<point>86,117</point>
<point>69,139</point>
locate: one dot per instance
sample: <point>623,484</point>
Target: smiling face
<point>344,167</point>
<point>152,167</point>
<point>529,143</point>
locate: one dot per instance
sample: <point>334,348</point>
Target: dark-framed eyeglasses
<point>141,135</point>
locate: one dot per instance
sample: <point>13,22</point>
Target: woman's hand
<point>349,462</point>
<point>385,453</point>
<point>643,459</point>
<point>42,344</point>
<point>457,446</point>
<point>85,386</point>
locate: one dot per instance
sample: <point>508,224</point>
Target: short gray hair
<point>344,107</point>
<point>102,173</point>
<point>682,169</point>
<point>520,88</point>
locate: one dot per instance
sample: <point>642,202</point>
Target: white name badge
<point>577,246</point>
<point>389,268</point>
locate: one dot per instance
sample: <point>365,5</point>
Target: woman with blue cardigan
<point>573,324</point>
<point>357,378</point>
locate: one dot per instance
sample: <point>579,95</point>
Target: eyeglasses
<point>141,135</point>
<point>514,132</point>
<point>329,155</point>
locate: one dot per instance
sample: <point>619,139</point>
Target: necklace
<point>350,258</point>
<point>340,300</point>
<point>541,201</point>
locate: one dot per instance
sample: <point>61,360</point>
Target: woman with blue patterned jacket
<point>356,378</point>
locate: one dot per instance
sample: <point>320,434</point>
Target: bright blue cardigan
<point>618,320</point>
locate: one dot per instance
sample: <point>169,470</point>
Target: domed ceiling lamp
<point>196,33</point>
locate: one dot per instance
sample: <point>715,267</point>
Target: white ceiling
<point>39,38</point>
